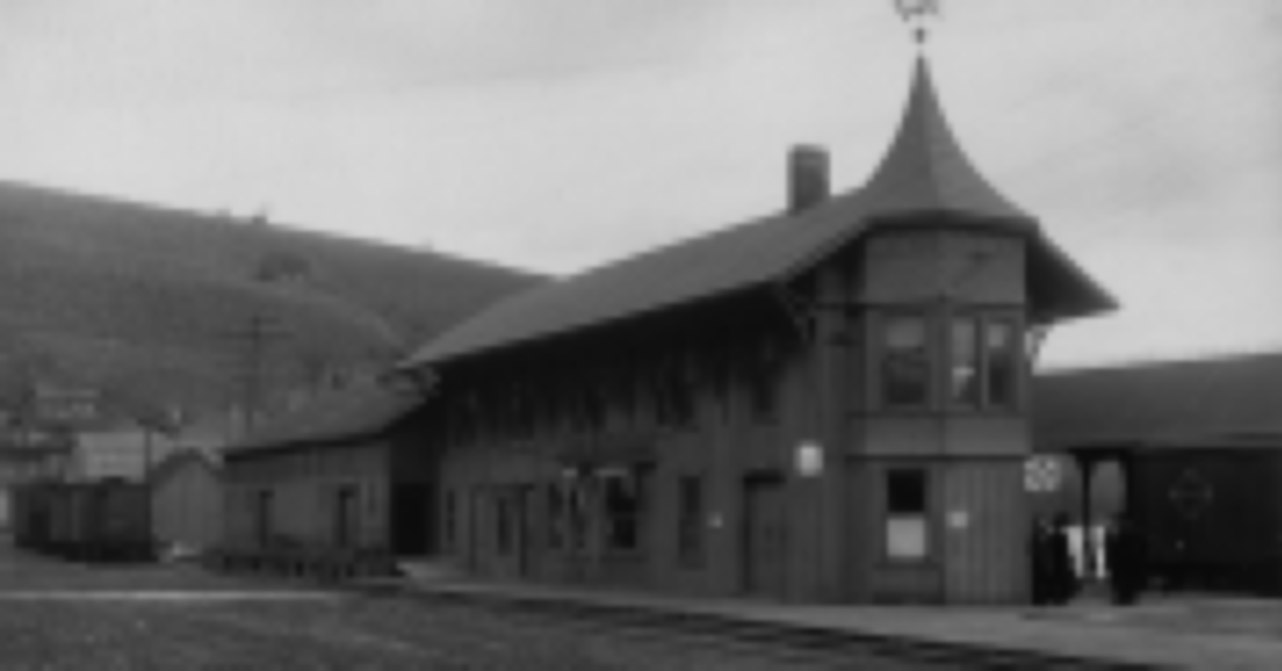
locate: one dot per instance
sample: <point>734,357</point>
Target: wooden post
<point>1087,466</point>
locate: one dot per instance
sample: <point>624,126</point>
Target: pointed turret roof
<point>925,169</point>
<point>924,175</point>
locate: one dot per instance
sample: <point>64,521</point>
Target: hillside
<point>145,300</point>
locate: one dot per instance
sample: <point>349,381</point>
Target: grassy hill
<point>144,300</point>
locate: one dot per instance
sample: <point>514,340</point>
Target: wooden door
<point>765,528</point>
<point>346,518</point>
<point>527,536</point>
<point>413,519</point>
<point>475,527</point>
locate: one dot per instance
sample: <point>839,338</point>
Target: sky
<point>555,135</point>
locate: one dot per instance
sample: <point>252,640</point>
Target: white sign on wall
<point>906,537</point>
<point>809,459</point>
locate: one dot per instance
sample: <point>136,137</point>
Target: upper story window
<point>905,362</point>
<point>764,378</point>
<point>963,383</point>
<point>1001,362</point>
<point>984,362</point>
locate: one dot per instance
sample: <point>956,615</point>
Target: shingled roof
<point>359,411</point>
<point>1197,402</point>
<point>925,171</point>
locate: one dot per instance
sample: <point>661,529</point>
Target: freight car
<point>107,520</point>
<point>1212,515</point>
<point>29,516</point>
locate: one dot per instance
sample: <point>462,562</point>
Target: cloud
<point>153,50</point>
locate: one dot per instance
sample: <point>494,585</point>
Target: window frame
<point>1014,354</point>
<point>975,397</point>
<point>882,353</point>
<point>892,519</point>
<point>983,321</point>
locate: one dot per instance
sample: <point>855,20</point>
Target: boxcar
<point>30,516</point>
<point>104,520</point>
<point>1212,517</point>
<point>121,521</point>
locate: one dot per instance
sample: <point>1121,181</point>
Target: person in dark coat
<point>1062,577</point>
<point>1124,554</point>
<point>1039,551</point>
<point>1053,580</point>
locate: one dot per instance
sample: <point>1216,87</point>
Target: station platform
<point>1162,632</point>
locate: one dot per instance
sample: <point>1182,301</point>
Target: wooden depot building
<point>826,404</point>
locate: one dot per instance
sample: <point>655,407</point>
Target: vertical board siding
<point>987,556</point>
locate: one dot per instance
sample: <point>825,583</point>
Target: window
<point>1001,367</point>
<point>682,394</point>
<point>346,516</point>
<point>503,522</point>
<point>984,362</point>
<point>905,365</point>
<point>907,537</point>
<point>763,379</point>
<point>594,405</point>
<point>451,515</point>
<point>672,393</point>
<point>690,516</point>
<point>624,492</point>
<point>964,373</point>
<point>263,515</point>
<point>555,516</point>
<point>577,512</point>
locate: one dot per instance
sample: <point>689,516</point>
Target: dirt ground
<point>56,616</point>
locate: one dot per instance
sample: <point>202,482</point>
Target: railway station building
<point>831,403</point>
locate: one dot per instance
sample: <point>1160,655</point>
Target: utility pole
<point>260,332</point>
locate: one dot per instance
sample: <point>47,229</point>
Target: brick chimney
<point>807,177</point>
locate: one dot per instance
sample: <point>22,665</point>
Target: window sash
<point>906,362</point>
<point>1001,363</point>
<point>964,362</point>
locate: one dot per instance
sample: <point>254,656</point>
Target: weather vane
<point>916,13</point>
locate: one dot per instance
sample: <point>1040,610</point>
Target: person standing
<point>1062,578</point>
<point>1124,553</point>
<point>1039,561</point>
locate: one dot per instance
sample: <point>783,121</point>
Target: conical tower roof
<point>925,170</point>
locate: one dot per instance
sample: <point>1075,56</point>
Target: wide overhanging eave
<point>1058,288</point>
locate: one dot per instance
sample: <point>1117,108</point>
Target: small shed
<point>187,502</point>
